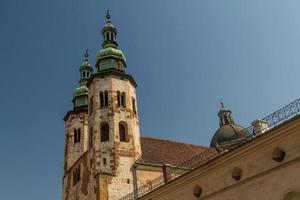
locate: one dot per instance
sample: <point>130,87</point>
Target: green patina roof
<point>110,52</point>
<point>81,90</point>
<point>86,65</point>
<point>108,26</point>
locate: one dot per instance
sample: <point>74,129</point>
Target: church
<point>106,158</point>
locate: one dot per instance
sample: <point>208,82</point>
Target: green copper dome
<point>229,131</point>
<point>81,90</point>
<point>108,26</point>
<point>111,52</point>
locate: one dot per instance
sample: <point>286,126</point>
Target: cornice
<point>114,73</point>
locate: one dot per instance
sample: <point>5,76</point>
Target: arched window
<point>91,138</point>
<point>226,119</point>
<point>77,134</point>
<point>101,96</point>
<point>105,98</point>
<point>107,36</point>
<point>119,98</point>
<point>123,100</point>
<point>122,132</point>
<point>104,132</point>
<point>133,106</point>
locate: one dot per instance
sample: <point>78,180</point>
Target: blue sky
<point>184,55</point>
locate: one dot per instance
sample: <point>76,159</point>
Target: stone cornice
<point>114,73</point>
<point>76,111</point>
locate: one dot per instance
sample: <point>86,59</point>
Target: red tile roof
<point>158,151</point>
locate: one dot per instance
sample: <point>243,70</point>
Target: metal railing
<point>172,173</point>
<point>276,118</point>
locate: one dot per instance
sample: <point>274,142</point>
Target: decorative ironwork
<point>276,118</point>
<point>172,174</point>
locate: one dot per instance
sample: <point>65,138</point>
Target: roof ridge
<point>173,141</point>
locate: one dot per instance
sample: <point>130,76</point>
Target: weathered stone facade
<point>114,157</point>
<point>102,137</point>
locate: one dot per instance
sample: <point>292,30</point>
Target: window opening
<point>104,133</point>
<point>122,132</point>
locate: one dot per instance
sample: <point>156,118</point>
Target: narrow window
<point>101,99</point>
<point>91,138</point>
<point>77,134</point>
<point>91,163</point>
<point>133,106</point>
<point>107,36</point>
<point>122,132</point>
<point>226,119</point>
<point>123,100</point>
<point>76,175</point>
<point>105,98</point>
<point>119,98</point>
<point>104,161</point>
<point>104,133</point>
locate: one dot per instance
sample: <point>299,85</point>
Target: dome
<point>229,132</point>
<point>110,52</point>
<point>108,26</point>
<point>86,65</point>
<point>81,90</point>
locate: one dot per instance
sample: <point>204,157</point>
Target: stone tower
<point>98,162</point>
<point>76,120</point>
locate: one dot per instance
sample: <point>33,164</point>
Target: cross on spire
<point>86,54</point>
<point>108,16</point>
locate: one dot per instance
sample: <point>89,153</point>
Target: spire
<point>85,69</point>
<point>108,16</point>
<point>109,33</point>
<point>80,95</point>
<point>86,54</point>
<point>110,57</point>
<point>222,104</point>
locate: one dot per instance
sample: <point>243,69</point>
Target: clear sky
<point>184,55</point>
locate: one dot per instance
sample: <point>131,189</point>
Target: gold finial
<point>108,16</point>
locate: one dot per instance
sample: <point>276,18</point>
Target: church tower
<point>76,120</point>
<point>102,137</point>
<point>113,119</point>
